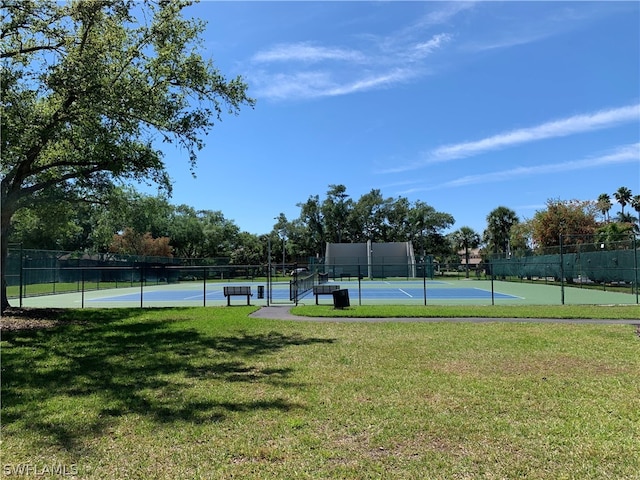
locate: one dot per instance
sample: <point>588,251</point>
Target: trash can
<point>323,277</point>
<point>260,291</point>
<point>341,298</point>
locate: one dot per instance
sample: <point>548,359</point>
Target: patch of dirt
<point>16,319</point>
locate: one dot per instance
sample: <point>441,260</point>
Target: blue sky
<point>466,106</point>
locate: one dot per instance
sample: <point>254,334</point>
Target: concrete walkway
<point>284,313</point>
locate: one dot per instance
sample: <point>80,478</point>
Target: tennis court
<point>366,292</point>
<point>280,292</point>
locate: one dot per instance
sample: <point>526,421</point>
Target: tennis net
<point>301,285</point>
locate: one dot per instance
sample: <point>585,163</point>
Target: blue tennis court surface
<point>371,291</point>
<point>168,295</point>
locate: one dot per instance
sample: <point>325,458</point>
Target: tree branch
<point>54,181</point>
<point>23,51</point>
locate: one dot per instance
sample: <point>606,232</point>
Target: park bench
<point>237,291</point>
<point>324,289</point>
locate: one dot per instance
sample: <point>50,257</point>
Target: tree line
<point>576,221</point>
<point>139,224</point>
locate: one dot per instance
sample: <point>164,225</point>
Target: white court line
<point>215,293</point>
<point>501,293</point>
<point>410,296</point>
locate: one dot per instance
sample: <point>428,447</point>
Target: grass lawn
<point>610,312</point>
<point>208,393</point>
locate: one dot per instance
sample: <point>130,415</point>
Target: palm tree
<point>497,233</point>
<point>626,218</point>
<point>466,238</point>
<point>623,196</point>
<point>604,205</point>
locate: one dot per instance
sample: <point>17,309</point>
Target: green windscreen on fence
<point>580,262</point>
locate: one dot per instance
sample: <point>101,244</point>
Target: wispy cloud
<point>553,129</point>
<point>307,53</point>
<point>513,40</point>
<point>446,12</point>
<point>316,84</point>
<point>516,30</point>
<point>284,70</point>
<point>306,84</point>
<point>386,78</point>
<point>623,154</point>
<point>315,68</point>
<point>422,50</point>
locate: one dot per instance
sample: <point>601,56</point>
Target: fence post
<point>21,293</point>
<point>82,290</point>
<point>424,279</point>
<point>359,286</point>
<point>141,285</point>
<point>204,286</point>
<point>269,286</point>
<point>561,271</point>
<point>493,275</point>
<point>635,265</point>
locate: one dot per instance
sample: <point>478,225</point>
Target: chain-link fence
<point>42,272</point>
<point>576,260</point>
<point>574,263</point>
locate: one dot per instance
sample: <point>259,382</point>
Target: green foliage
<point>372,217</point>
<point>626,220</point>
<point>249,250</point>
<point>604,205</point>
<point>336,209</point>
<point>465,238</point>
<point>613,232</point>
<point>49,226</point>
<point>311,222</point>
<point>498,231</point>
<point>623,196</point>
<point>520,238</point>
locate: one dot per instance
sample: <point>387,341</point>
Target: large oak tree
<point>90,89</point>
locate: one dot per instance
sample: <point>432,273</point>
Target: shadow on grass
<point>114,365</point>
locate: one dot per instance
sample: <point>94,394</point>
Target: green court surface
<point>366,292</point>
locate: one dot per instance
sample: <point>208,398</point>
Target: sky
<point>465,106</point>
